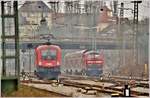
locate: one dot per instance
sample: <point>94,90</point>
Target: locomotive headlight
<point>40,63</point>
<point>49,64</point>
<point>58,63</point>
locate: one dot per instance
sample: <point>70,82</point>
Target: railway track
<point>39,82</point>
<point>103,89</point>
<point>87,87</point>
<point>119,80</point>
<point>54,93</point>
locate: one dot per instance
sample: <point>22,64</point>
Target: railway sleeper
<point>87,91</point>
<point>56,83</point>
<point>135,93</point>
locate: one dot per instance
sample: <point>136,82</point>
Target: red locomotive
<point>85,62</point>
<point>48,61</point>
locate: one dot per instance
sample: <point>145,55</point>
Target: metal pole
<point>12,85</point>
<point>3,41</point>
<point>115,8</point>
<point>30,61</point>
<point>23,57</point>
<point>119,42</point>
<point>94,31</point>
<point>135,31</point>
<point>122,34</point>
<point>17,53</point>
<point>30,47</point>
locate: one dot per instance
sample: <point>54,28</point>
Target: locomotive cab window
<point>48,54</point>
<point>92,55</point>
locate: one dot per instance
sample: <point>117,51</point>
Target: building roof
<point>34,6</point>
<point>104,16</point>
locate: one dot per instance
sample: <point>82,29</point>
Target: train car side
<point>74,62</point>
<point>82,63</point>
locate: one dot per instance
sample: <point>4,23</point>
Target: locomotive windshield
<point>92,55</point>
<point>48,54</point>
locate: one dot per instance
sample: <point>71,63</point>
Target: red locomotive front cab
<point>48,61</point>
<point>91,58</point>
<point>48,56</point>
<point>93,62</point>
